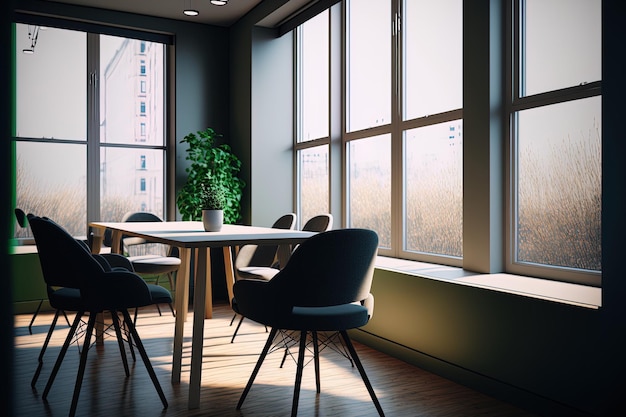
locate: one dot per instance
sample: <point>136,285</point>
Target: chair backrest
<point>286,222</point>
<point>319,223</point>
<point>264,255</point>
<point>65,262</point>
<point>132,241</point>
<point>21,217</point>
<point>138,216</point>
<point>330,268</point>
<point>141,216</point>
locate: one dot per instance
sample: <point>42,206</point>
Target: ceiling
<point>209,13</point>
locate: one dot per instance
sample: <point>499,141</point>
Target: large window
<point>403,103</point>
<point>90,127</point>
<point>556,140</point>
<point>403,132</point>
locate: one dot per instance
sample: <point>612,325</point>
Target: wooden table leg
<point>230,272</point>
<point>199,302</point>
<point>181,303</point>
<point>208,309</point>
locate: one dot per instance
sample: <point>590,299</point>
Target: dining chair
<point>252,258</point>
<point>319,223</point>
<point>91,286</point>
<point>149,259</point>
<point>22,221</point>
<point>325,287</point>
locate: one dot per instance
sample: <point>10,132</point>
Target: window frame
<point>299,144</point>
<point>514,103</point>
<point>92,135</point>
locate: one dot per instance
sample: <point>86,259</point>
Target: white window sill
<point>560,292</point>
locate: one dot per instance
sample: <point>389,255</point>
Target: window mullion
<point>93,131</point>
<point>397,165</point>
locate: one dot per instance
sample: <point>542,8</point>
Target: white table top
<point>192,235</point>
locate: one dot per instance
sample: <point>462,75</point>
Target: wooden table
<point>188,236</point>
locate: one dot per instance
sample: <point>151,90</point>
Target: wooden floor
<point>402,389</point>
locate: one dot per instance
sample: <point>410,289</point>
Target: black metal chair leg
<point>43,349</point>
<point>32,320</point>
<point>299,370</point>
<point>237,329</point>
<point>144,356</point>
<point>259,362</point>
<point>66,319</point>
<point>359,366</point>
<point>120,341</point>
<point>57,364</point>
<point>316,360</point>
<point>83,363</point>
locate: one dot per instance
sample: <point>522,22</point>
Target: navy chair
<point>325,287</point>
<point>149,259</point>
<point>93,286</point>
<point>22,221</point>
<point>252,261</point>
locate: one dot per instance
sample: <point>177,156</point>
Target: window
<point>54,143</point>
<point>403,132</point>
<point>312,147</point>
<point>404,103</point>
<point>142,108</point>
<point>142,67</point>
<point>142,185</point>
<point>555,117</point>
<point>432,126</point>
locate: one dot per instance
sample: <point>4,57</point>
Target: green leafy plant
<point>212,166</point>
<point>212,197</point>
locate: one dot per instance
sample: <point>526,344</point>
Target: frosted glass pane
<point>314,180</point>
<point>433,56</point>
<point>434,189</point>
<point>314,82</point>
<point>131,91</point>
<point>370,186</point>
<point>51,182</point>
<point>369,64</point>
<point>559,185</point>
<point>562,44</point>
<point>131,180</point>
<point>51,87</point>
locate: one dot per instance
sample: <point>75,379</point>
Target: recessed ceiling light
<point>191,12</point>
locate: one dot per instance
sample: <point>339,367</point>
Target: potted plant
<point>212,202</point>
<point>210,164</point>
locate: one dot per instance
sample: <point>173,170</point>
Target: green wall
<point>28,286</point>
<point>513,347</point>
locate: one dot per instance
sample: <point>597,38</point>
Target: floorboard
<point>403,390</point>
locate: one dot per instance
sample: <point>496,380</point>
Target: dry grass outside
<point>559,207</point>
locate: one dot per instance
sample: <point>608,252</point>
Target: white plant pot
<point>212,220</point>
